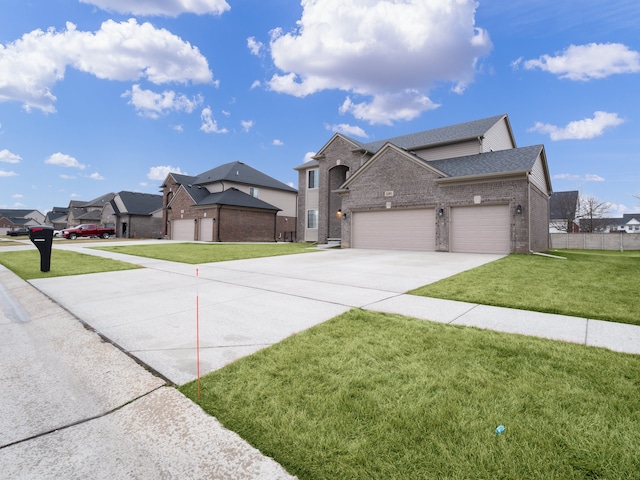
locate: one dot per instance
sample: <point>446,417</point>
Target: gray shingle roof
<point>140,203</point>
<point>562,205</point>
<point>231,197</point>
<point>503,161</point>
<point>239,172</point>
<point>460,131</point>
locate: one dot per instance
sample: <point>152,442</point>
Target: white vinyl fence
<point>595,241</point>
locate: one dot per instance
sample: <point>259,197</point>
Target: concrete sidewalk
<point>75,407</point>
<point>91,412</point>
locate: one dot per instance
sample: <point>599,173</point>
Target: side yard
<point>591,284</point>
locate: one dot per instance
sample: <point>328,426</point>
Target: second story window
<point>253,191</point>
<point>313,178</point>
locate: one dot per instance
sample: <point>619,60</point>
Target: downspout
<point>275,227</point>
<point>219,222</point>
<point>529,210</point>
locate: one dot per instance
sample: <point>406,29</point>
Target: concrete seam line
<point>80,422</point>
<point>463,314</point>
<point>106,339</point>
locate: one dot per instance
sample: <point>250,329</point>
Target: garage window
<point>312,218</point>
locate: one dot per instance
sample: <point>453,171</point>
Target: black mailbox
<point>42,237</point>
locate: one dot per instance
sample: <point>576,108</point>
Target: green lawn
<point>591,284</point>
<point>194,253</point>
<point>370,395</point>
<point>26,264</point>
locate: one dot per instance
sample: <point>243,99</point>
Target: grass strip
<point>371,395</point>
<point>194,253</point>
<point>596,285</point>
<point>26,264</point>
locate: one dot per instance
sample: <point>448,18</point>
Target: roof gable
<point>355,143</point>
<point>378,156</point>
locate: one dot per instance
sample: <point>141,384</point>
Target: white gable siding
<point>461,149</point>
<point>537,175</point>
<point>497,138</point>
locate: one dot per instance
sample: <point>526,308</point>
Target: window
<point>313,178</point>
<point>312,218</point>
<point>253,191</point>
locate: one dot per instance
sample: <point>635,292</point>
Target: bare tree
<point>591,210</point>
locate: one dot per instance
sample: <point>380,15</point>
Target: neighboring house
<point>462,188</point>
<point>87,212</point>
<point>57,218</point>
<point>629,223</point>
<point>134,215</point>
<point>11,219</point>
<point>230,203</point>
<point>563,207</point>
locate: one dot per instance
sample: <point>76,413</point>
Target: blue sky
<point>97,98</point>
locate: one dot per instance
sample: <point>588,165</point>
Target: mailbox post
<point>42,237</point>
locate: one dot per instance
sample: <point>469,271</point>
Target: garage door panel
<point>182,230</point>
<point>206,230</point>
<point>395,229</point>
<point>480,229</point>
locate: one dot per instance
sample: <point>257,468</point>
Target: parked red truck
<point>87,230</point>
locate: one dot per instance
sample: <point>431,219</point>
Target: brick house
<point>134,215</point>
<point>461,188</point>
<point>230,203</point>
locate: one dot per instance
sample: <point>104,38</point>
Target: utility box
<point>42,237</point>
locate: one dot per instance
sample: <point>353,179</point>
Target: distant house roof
<point>436,136</point>
<point>93,215</point>
<point>563,205</point>
<point>230,197</point>
<point>236,172</point>
<point>138,203</point>
<point>100,201</point>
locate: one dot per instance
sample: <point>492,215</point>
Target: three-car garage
<point>471,229</point>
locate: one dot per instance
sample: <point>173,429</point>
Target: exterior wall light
<point>441,212</point>
<point>344,216</point>
<point>339,214</point>
<point>518,209</point>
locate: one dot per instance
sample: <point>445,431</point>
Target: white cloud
<point>160,172</point>
<point>96,176</point>
<point>588,62</point>
<point>384,49</point>
<point>209,125</point>
<point>4,173</point>
<point>589,177</point>
<point>18,205</point>
<point>126,51</point>
<point>347,129</point>
<point>277,142</point>
<point>151,104</point>
<point>254,46</point>
<point>67,177</point>
<point>246,125</point>
<point>178,128</point>
<point>387,108</point>
<point>7,157</point>
<point>169,8</point>
<point>580,129</point>
<point>63,160</point>
<point>308,157</point>
<point>255,84</point>
<point>17,195</point>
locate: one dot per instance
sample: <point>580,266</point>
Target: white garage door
<point>206,230</point>
<point>182,230</point>
<point>480,229</point>
<point>395,229</point>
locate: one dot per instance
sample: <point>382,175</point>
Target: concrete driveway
<point>243,306</point>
